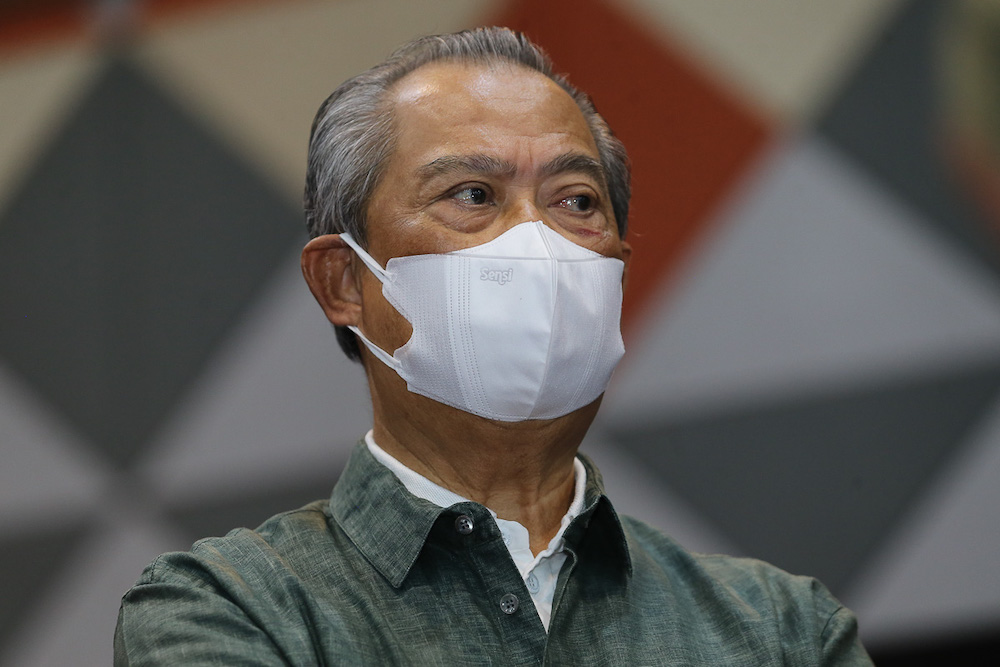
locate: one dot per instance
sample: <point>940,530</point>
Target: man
<point>468,212</point>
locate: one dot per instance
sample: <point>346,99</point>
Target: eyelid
<point>579,190</point>
<point>579,184</point>
<point>465,185</point>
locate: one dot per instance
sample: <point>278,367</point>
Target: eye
<point>472,195</point>
<point>580,203</point>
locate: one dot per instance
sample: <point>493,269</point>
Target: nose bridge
<point>524,207</point>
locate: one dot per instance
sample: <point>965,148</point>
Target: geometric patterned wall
<point>812,323</point>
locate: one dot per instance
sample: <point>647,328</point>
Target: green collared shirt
<point>376,576</point>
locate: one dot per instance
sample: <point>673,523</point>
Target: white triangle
<point>786,55</point>
<point>279,401</point>
<point>47,468</point>
<point>37,92</point>
<point>812,279</point>
<point>260,74</point>
<point>939,572</point>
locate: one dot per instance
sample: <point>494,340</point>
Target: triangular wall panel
<point>278,402</point>
<point>813,278</point>
<point>259,75</point>
<point>889,118</point>
<point>36,94</point>
<point>47,469</point>
<point>134,244</point>
<point>815,484</point>
<point>785,55</point>
<point>934,575</point>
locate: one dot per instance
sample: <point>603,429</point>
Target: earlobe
<point>327,268</point>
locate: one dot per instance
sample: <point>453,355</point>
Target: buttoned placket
<point>530,579</point>
<point>537,573</point>
<point>479,564</point>
<point>479,543</point>
<point>540,571</point>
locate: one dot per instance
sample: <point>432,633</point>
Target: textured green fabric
<point>376,576</point>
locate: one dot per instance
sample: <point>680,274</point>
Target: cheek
<point>591,235</point>
<point>604,242</point>
<point>381,322</point>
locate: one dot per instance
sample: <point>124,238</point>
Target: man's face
<point>478,151</point>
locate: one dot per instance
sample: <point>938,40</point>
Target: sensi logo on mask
<point>499,276</point>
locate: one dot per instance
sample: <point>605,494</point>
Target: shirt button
<point>532,582</point>
<point>508,603</point>
<point>464,524</point>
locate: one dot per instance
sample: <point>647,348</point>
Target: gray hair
<point>352,135</point>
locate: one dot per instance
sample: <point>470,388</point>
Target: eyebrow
<point>478,163</point>
<point>576,163</point>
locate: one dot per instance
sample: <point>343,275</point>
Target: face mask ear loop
<point>382,355</point>
<point>383,276</point>
<point>369,261</point>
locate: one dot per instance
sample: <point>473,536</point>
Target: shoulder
<point>747,578</point>
<point>229,598</point>
<point>798,611</point>
<point>279,541</point>
<point>283,536</point>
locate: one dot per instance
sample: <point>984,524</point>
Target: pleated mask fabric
<point>526,326</point>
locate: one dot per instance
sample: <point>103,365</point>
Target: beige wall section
<point>37,92</point>
<point>784,56</point>
<point>258,76</point>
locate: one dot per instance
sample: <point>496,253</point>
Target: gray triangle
<point>131,249</point>
<point>888,118</point>
<point>217,515</point>
<point>814,278</point>
<point>28,562</point>
<point>814,485</point>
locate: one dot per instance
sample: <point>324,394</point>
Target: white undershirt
<point>540,572</point>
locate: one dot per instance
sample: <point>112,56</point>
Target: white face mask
<point>526,326</point>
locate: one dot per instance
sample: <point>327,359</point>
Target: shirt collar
<point>414,482</point>
<point>424,488</point>
<point>519,546</point>
<point>390,525</point>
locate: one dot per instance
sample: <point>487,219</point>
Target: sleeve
<point>174,616</point>
<point>840,642</point>
<point>815,628</point>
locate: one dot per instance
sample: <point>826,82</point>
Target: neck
<point>523,471</point>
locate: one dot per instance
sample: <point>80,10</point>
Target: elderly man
<point>467,210</point>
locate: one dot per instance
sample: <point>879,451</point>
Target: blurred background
<point>812,322</point>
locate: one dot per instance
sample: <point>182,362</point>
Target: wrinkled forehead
<point>488,103</point>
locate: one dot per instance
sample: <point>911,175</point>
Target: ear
<point>327,265</point>
<point>626,257</point>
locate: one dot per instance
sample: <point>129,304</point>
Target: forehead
<point>453,107</point>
